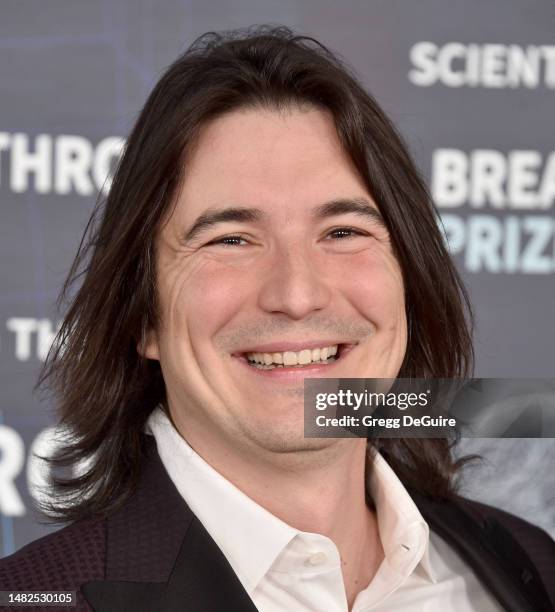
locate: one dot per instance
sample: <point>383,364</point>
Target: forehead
<point>282,161</point>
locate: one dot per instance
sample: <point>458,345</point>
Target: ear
<point>147,346</point>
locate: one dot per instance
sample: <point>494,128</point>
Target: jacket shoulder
<point>537,544</point>
<point>61,561</point>
<point>530,536</point>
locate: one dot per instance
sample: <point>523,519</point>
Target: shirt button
<point>317,558</point>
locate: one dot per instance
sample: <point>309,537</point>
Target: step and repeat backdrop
<point>471,86</point>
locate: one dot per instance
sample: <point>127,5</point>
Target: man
<point>265,224</point>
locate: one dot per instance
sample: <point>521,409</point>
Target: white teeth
<point>289,358</point>
<point>292,358</point>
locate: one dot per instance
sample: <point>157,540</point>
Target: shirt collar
<point>232,518</point>
<point>401,526</point>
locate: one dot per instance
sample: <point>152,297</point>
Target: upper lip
<point>282,347</point>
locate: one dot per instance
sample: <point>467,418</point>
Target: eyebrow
<point>357,206</point>
<point>213,217</point>
<point>340,206</point>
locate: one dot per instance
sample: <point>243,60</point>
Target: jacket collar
<point>161,559</point>
<point>496,557</point>
<point>159,556</point>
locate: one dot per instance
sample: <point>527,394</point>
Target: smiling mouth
<point>305,358</point>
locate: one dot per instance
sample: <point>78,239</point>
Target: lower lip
<point>296,374</point>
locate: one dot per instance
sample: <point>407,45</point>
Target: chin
<point>299,448</point>
<point>288,442</point>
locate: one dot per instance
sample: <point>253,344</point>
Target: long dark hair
<point>104,389</point>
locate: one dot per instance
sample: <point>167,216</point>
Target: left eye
<point>345,232</point>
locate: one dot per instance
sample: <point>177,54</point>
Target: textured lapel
<point>160,558</point>
<point>498,560</point>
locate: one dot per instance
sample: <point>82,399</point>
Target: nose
<point>294,285</point>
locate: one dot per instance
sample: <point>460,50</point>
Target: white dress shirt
<point>286,570</point>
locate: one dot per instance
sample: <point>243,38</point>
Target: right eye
<point>233,240</point>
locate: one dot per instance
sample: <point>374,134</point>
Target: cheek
<point>376,292</point>
<point>205,298</point>
<point>373,283</point>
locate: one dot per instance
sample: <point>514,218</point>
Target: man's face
<point>275,254</point>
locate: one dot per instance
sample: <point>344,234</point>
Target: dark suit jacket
<point>155,555</point>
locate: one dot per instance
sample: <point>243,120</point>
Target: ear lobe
<point>147,346</point>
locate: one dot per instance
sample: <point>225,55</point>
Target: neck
<point>328,487</point>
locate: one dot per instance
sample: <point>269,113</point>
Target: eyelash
<point>221,240</point>
<point>351,230</point>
